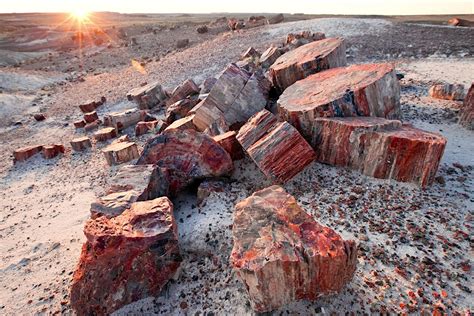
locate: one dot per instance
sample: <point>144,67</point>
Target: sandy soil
<point>415,245</point>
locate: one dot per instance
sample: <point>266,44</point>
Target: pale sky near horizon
<point>398,7</point>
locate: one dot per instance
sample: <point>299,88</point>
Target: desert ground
<point>415,245</point>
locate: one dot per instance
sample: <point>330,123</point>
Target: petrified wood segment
<point>235,97</point>
<point>307,60</point>
<point>26,153</point>
<point>358,90</point>
<point>229,142</point>
<point>187,156</point>
<point>183,124</point>
<point>91,117</point>
<point>148,96</point>
<point>179,109</point>
<point>278,149</point>
<point>118,153</point>
<point>269,57</point>
<point>81,143</point>
<point>156,126</point>
<point>447,91</point>
<point>184,90</point>
<point>122,120</point>
<point>379,148</point>
<point>126,258</point>
<point>467,111</point>
<point>282,254</point>
<point>51,151</point>
<point>105,134</point>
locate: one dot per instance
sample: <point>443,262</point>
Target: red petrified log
<point>229,142</point>
<point>184,90</point>
<point>126,258</point>
<point>379,148</point>
<point>91,117</point>
<point>143,127</point>
<point>365,90</point>
<point>307,60</point>
<point>122,120</point>
<point>79,124</point>
<point>118,153</point>
<point>51,151</point>
<point>282,254</point>
<point>447,91</point>
<point>277,148</point>
<point>269,57</point>
<point>467,111</point>
<point>91,105</point>
<point>179,109</point>
<point>26,153</point>
<point>187,156</point>
<point>81,143</point>
<point>148,96</point>
<point>182,124</point>
<point>105,134</point>
<point>92,126</point>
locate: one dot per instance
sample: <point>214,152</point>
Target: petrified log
<point>182,124</point>
<point>81,143</point>
<point>89,127</point>
<point>278,149</point>
<point>91,105</point>
<point>229,142</point>
<point>307,60</point>
<point>148,96</point>
<point>365,90</point>
<point>379,148</point>
<point>250,53</point>
<point>91,117</point>
<point>156,127</point>
<point>118,153</point>
<point>51,151</point>
<point>207,85</point>
<point>447,91</point>
<point>122,120</point>
<point>126,258</point>
<point>26,153</point>
<point>187,156</point>
<point>235,97</point>
<point>80,124</point>
<point>105,134</point>
<point>282,254</point>
<point>269,57</point>
<point>467,110</point>
<point>179,109</point>
<point>184,90</point>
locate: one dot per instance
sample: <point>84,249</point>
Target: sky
<point>388,7</point>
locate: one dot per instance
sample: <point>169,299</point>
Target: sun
<point>80,14</point>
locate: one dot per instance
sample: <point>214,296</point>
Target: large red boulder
<point>277,148</point>
<point>282,254</point>
<point>357,90</point>
<point>126,258</point>
<point>307,60</point>
<point>467,110</point>
<point>379,148</point>
<point>186,155</point>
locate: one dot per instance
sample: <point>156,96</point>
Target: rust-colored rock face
<point>358,90</point>
<point>277,148</point>
<point>282,254</point>
<point>307,60</point>
<point>26,153</point>
<point>379,148</point>
<point>187,155</point>
<point>229,142</point>
<point>467,111</point>
<point>126,258</point>
<point>235,97</point>
<point>447,91</point>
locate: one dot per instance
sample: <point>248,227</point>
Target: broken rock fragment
<point>447,91</point>
<point>229,142</point>
<point>156,126</point>
<point>81,143</point>
<point>91,105</point>
<point>51,151</point>
<point>122,120</point>
<point>282,254</point>
<point>91,117</point>
<point>184,90</point>
<point>467,110</point>
<point>179,109</point>
<point>277,148</point>
<point>379,148</point>
<point>187,155</point>
<point>307,60</point>
<point>182,124</point>
<point>80,124</point>
<point>357,90</point>
<point>126,258</point>
<point>105,134</point>
<point>26,153</point>
<point>148,96</point>
<point>118,153</point>
<point>269,57</point>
